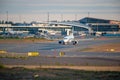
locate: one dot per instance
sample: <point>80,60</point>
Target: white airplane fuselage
<point>68,39</point>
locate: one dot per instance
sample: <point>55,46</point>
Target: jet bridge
<point>71,23</point>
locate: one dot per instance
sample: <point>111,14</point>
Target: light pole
<point>7,16</point>
<point>88,17</point>
<point>61,17</point>
<point>75,17</point>
<point>48,17</point>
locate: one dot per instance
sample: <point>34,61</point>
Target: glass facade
<point>105,27</point>
<point>100,24</point>
<point>93,20</point>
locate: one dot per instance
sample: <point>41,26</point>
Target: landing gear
<point>74,42</point>
<point>61,42</point>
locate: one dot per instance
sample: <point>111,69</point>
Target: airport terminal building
<point>101,25</point>
<point>86,24</point>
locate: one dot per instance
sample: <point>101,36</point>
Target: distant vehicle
<point>68,39</point>
<point>98,34</point>
<point>83,34</point>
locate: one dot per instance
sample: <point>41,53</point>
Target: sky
<point>37,10</point>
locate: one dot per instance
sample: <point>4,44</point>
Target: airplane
<point>68,39</point>
<point>15,32</point>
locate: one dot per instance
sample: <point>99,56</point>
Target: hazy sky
<point>36,10</point>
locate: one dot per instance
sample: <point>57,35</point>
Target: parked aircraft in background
<point>68,40</point>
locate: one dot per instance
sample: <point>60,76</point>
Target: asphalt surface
<point>53,48</point>
<point>49,53</point>
<point>60,61</point>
